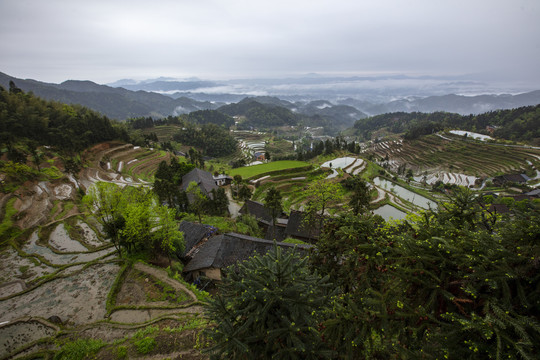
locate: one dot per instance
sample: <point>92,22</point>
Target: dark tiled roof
<point>193,233</point>
<point>258,210</point>
<point>516,178</point>
<point>224,250</point>
<point>499,208</point>
<point>279,233</point>
<point>204,179</point>
<point>297,227</point>
<point>535,193</point>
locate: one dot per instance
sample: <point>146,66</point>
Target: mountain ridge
<point>121,103</point>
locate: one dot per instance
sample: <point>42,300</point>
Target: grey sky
<point>106,40</point>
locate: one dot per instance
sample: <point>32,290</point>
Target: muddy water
<point>61,241</point>
<point>90,236</point>
<point>14,267</point>
<point>389,212</point>
<point>403,193</point>
<point>15,335</point>
<point>62,259</point>
<point>76,299</point>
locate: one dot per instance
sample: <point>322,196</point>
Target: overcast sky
<point>103,41</point>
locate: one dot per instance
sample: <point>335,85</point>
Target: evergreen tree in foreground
<point>270,307</point>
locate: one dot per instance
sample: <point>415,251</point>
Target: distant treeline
<point>200,117</point>
<point>212,139</point>
<point>520,124</point>
<point>27,119</point>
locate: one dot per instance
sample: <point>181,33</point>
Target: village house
<point>222,180</point>
<point>259,156</point>
<point>510,178</point>
<point>221,251</point>
<point>194,233</point>
<point>203,179</point>
<point>299,228</point>
<point>264,219</point>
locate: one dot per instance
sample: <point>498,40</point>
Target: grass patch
<point>295,241</point>
<point>255,170</point>
<point>224,224</point>
<point>79,349</point>
<point>143,342</point>
<point>115,288</point>
<point>10,211</point>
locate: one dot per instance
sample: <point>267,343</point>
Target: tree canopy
<point>212,139</point>
<point>70,128</point>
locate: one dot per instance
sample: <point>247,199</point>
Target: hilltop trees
<point>212,139</point>
<point>457,283</point>
<point>167,181</point>
<point>69,128</point>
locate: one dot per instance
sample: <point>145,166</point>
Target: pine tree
<point>269,307</point>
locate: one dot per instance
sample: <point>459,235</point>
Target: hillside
<point>520,124</point>
<point>116,103</point>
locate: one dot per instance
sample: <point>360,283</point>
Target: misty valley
<point>292,219</point>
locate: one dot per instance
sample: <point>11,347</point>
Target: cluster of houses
<point>207,253</point>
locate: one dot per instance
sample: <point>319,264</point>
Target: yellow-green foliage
<point>250,171</point>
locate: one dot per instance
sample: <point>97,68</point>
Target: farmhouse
<point>204,180</point>
<point>511,178</point>
<point>222,180</point>
<point>259,156</point>
<point>194,233</point>
<point>299,228</point>
<point>221,251</point>
<point>257,209</point>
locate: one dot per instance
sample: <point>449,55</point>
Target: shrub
<point>79,349</point>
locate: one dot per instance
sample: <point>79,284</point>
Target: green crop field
<point>251,171</point>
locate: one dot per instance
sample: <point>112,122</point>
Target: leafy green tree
<point>269,307</point>
<point>237,181</point>
<point>167,180</point>
<point>219,202</point>
<point>273,201</point>
<point>361,195</point>
<point>107,202</point>
<point>244,193</point>
<point>320,194</point>
<point>197,199</point>
<point>134,219</point>
<point>440,285</point>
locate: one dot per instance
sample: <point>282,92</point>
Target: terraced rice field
<point>255,170</point>
<point>455,156</point>
<point>129,163</point>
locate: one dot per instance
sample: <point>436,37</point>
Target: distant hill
<point>260,115</point>
<point>519,124</point>
<point>116,103</point>
<point>459,104</point>
<point>163,86</point>
<point>263,111</point>
<point>186,96</point>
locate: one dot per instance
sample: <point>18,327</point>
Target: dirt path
<point>137,316</point>
<point>162,275</point>
<point>380,195</point>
